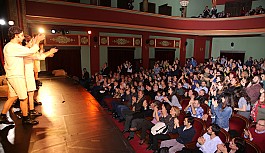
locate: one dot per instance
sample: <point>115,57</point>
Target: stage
<point>72,122</point>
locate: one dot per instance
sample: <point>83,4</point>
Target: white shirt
<point>210,145</point>
<point>14,62</point>
<point>29,63</point>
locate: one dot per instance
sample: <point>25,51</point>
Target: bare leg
<point>8,104</point>
<point>31,100</point>
<point>32,111</point>
<point>36,75</point>
<point>24,106</point>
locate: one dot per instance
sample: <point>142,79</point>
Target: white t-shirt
<point>14,61</point>
<point>210,145</point>
<point>29,63</point>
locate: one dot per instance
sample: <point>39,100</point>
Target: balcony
<point>82,15</point>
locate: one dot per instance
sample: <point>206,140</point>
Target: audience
<point>227,86</point>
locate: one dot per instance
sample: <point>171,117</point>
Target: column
<point>94,52</point>
<point>199,49</point>
<point>182,49</point>
<point>145,51</point>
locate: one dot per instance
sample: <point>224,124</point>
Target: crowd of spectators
<point>212,13</point>
<point>258,10</point>
<point>159,94</point>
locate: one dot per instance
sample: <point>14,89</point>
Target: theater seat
<point>238,123</point>
<point>252,147</point>
<point>184,103</point>
<point>205,108</point>
<point>181,117</point>
<point>224,135</point>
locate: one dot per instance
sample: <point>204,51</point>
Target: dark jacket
<point>186,135</point>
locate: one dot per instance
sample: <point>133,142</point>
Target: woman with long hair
<point>236,145</point>
<point>172,98</point>
<point>243,103</point>
<point>221,111</point>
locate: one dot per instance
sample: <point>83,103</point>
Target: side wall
<point>253,46</point>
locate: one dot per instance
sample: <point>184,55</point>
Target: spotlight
<point>53,31</point>
<point>2,22</point>
<point>41,30</point>
<point>67,32</point>
<point>11,23</point>
<point>89,32</point>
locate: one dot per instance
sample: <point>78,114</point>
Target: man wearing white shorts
<point>14,67</point>
<point>29,73</point>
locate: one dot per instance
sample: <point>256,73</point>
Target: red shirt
<point>258,138</point>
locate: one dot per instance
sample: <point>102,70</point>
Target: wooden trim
<point>37,20</point>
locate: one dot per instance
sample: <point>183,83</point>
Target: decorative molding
<point>84,40</point>
<point>164,43</point>
<point>104,40</point>
<point>137,42</point>
<point>62,39</point>
<point>152,42</point>
<point>67,40</point>
<point>121,41</point>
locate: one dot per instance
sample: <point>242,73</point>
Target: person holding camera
<point>221,112</point>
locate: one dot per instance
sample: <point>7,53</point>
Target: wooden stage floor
<point>72,122</point>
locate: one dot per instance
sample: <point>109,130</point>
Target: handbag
<point>159,128</point>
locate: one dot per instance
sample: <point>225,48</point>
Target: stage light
<point>11,23</point>
<point>2,22</point>
<point>41,30</point>
<point>89,32</point>
<point>67,32</point>
<point>53,31</point>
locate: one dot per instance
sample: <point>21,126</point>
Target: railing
<point>85,15</point>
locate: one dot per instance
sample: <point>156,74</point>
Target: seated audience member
<point>263,77</point>
<point>149,91</point>
<point>201,96</point>
<point>222,112</point>
<point>258,110</point>
<point>194,109</point>
<point>180,90</point>
<point>253,89</point>
<point>85,79</point>
<point>168,115</point>
<point>206,12</point>
<point>172,98</point>
<point>236,145</point>
<point>136,106</point>
<point>186,133</point>
<point>203,86</point>
<point>243,103</point>
<point>209,141</point>
<point>159,95</point>
<point>145,124</point>
<point>214,11</point>
<point>257,134</point>
<point>145,111</point>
